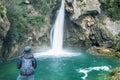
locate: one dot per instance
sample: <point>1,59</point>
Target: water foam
<point>87,70</point>
<point>56,54</point>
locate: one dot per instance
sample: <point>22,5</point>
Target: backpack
<point>26,67</point>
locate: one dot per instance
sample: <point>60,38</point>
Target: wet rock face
<point>82,13</point>
<point>90,32</point>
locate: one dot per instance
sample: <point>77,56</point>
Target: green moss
<point>111,8</point>
<point>118,46</point>
<point>114,75</point>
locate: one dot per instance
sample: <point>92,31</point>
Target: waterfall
<point>56,37</point>
<point>57,42</point>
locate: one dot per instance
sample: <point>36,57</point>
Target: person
<point>27,65</point>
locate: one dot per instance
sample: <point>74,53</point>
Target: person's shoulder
<point>31,54</point>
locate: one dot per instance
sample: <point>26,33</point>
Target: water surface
<point>82,67</point>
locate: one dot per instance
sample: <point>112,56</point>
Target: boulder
<point>101,51</point>
<point>115,74</point>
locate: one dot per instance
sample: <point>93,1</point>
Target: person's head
<point>27,49</point>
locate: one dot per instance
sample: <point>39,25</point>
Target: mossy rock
<point>117,54</point>
<point>118,46</point>
<point>101,51</point>
<point>2,10</point>
<point>115,74</point>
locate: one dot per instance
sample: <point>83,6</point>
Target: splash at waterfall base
<point>56,54</point>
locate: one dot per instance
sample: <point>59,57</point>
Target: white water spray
<point>57,42</point>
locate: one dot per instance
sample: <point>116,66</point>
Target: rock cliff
<point>91,26</point>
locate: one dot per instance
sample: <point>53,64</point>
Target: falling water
<point>57,42</point>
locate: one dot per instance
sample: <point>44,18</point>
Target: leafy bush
<point>43,6</point>
<point>111,8</point>
<point>16,15</point>
<point>36,20</point>
<point>21,21</point>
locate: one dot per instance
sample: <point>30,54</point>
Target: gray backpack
<point>26,67</point>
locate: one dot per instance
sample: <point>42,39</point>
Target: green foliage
<point>80,0</point>
<point>21,23</point>
<point>16,15</point>
<point>36,20</point>
<point>43,6</point>
<point>2,10</point>
<point>117,46</point>
<point>111,8</point>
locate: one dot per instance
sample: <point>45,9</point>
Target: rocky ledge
<point>115,74</point>
<point>103,51</point>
